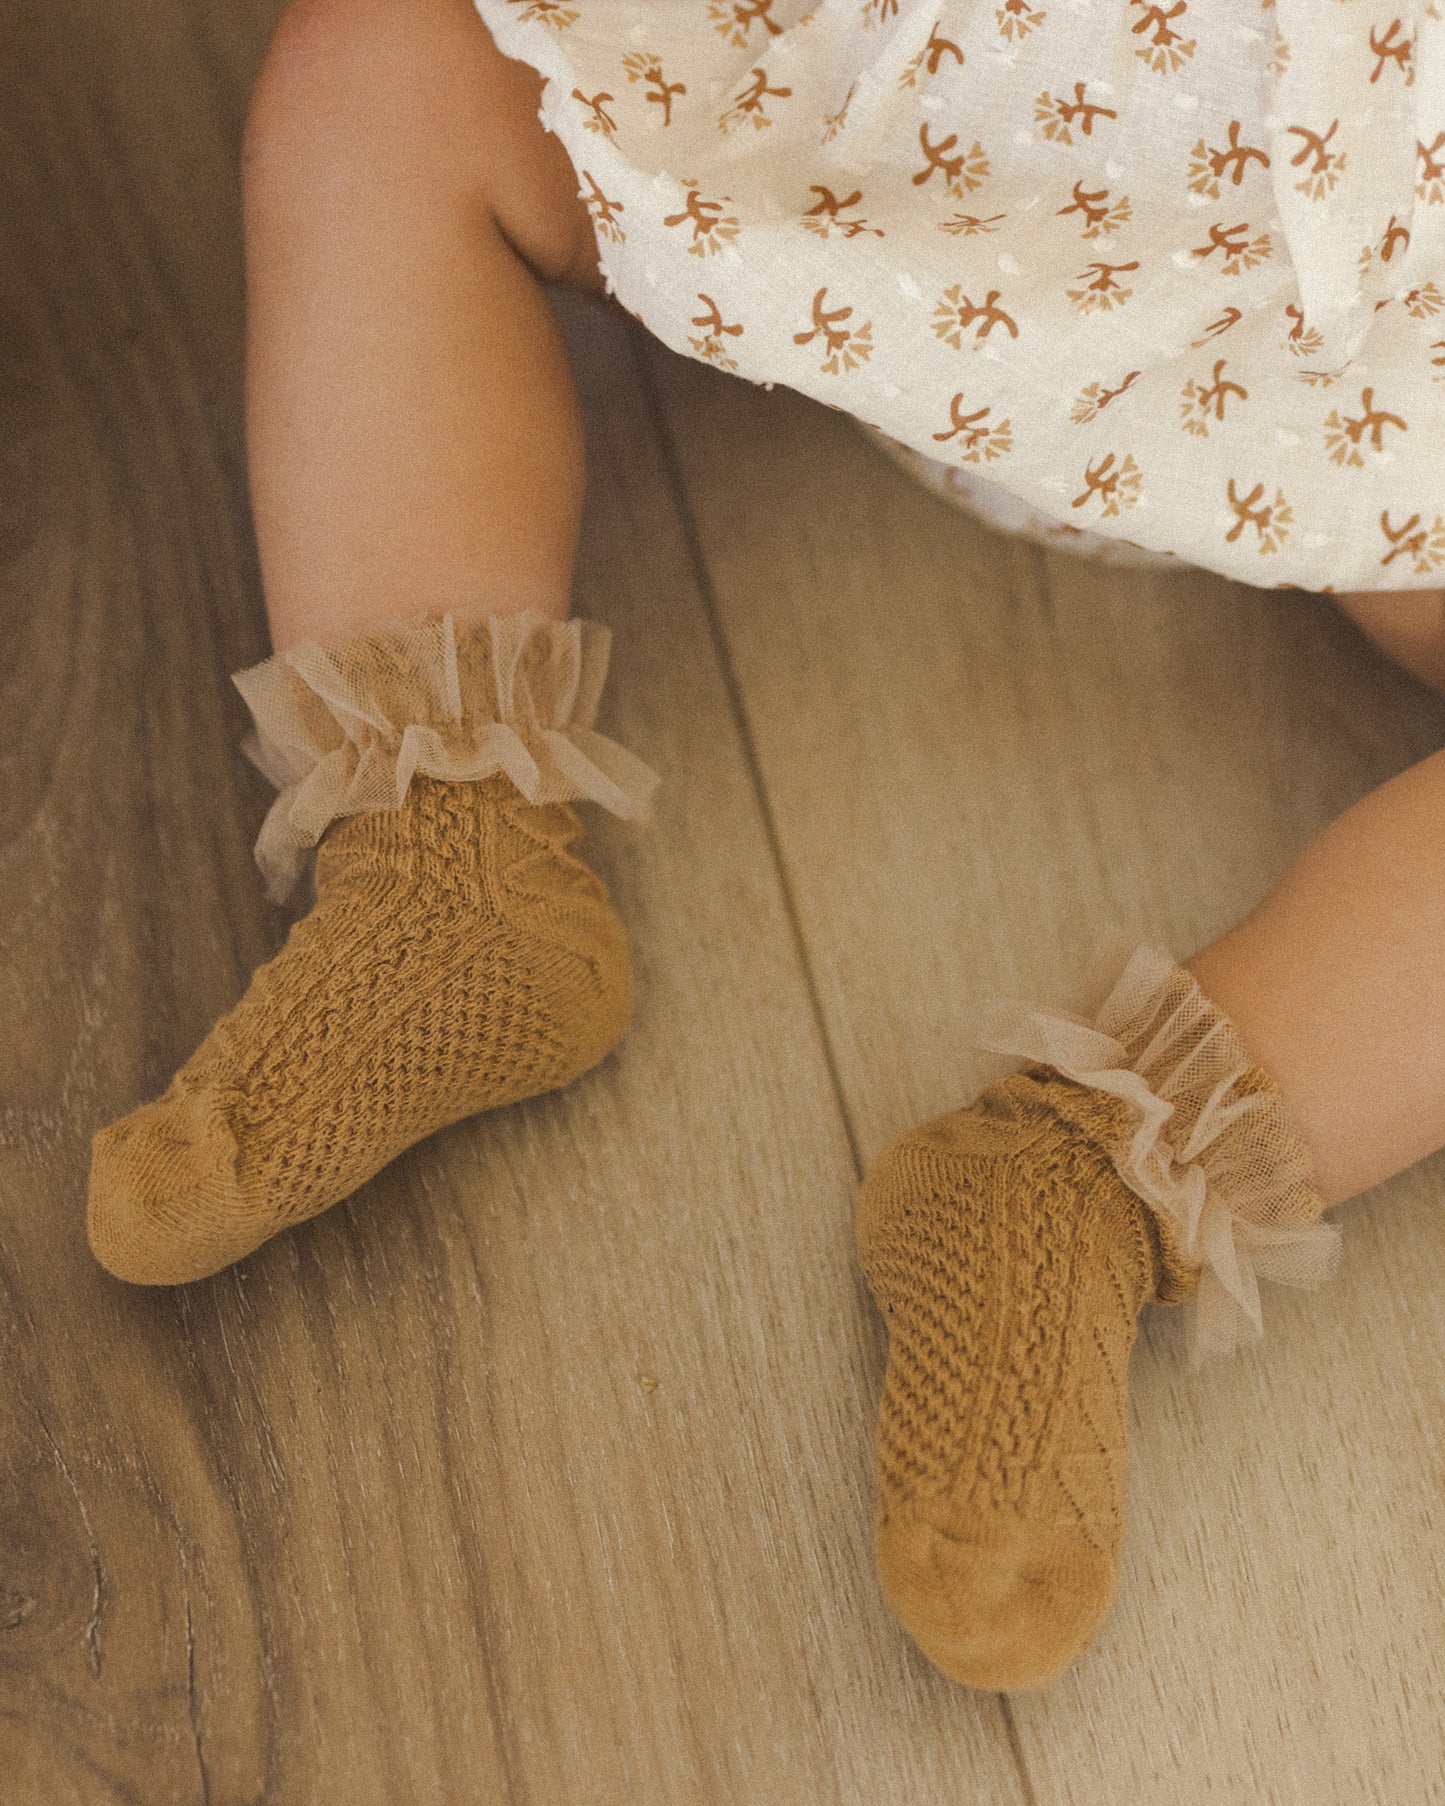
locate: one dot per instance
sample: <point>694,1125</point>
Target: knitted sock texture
<point>459,956</point>
<point>1012,1263</point>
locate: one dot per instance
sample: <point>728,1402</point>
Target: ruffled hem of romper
<point>344,728</point>
<point>1210,1148</point>
<point>1001,511</point>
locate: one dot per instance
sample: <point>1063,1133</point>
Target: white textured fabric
<point>1220,1164</point>
<point>344,728</point>
<point>1169,273</point>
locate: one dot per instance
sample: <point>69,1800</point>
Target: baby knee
<point>349,71</point>
<point>302,89</point>
<point>363,87</point>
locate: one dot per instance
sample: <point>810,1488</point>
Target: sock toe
<point>1012,1262</point>
<point>1006,1606</point>
<point>161,1181</point>
<point>459,957</point>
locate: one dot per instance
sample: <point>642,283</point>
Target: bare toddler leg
<point>1336,982</point>
<point>415,452</point>
<point>1290,1065</point>
<point>413,431</point>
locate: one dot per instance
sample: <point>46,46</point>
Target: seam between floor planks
<point>708,592</point>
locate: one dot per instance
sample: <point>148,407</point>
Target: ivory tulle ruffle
<point>344,728</point>
<point>1218,1161</point>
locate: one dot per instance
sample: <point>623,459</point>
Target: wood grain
<point>977,758</point>
<point>541,1471</point>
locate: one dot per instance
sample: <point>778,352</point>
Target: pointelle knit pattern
<point>459,955</point>
<point>1012,1246</point>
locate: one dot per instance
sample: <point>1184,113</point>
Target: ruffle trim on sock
<point>344,728</point>
<point>1212,1153</point>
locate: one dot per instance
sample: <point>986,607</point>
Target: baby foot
<point>459,956</point>
<point>1012,1263</point>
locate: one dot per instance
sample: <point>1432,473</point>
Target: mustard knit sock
<point>459,954</point>
<point>1012,1260</point>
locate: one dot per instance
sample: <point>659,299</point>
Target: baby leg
<point>413,433</point>
<point>1291,1064</point>
<point>415,448</point>
<point>1336,983</point>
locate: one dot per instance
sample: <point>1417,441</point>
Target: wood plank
<point>977,758</point>
<point>541,1471</point>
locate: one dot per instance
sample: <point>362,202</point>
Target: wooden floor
<point>540,1474</point>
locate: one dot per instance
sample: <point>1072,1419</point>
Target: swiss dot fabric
<point>1165,275</point>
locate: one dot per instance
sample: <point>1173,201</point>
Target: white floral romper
<point>1167,277</point>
